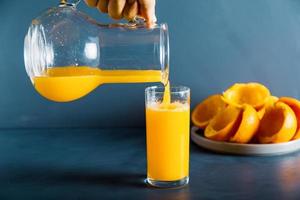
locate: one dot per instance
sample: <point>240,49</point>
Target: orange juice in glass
<point>167,127</point>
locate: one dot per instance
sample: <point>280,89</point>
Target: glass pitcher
<point>68,54</point>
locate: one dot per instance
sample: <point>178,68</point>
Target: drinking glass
<point>167,130</point>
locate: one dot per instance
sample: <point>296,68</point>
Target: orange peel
<point>278,124</point>
<point>295,106</point>
<point>248,125</point>
<point>207,109</point>
<point>254,94</point>
<point>223,124</point>
<point>270,102</point>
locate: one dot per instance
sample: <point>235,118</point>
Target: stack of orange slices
<point>248,113</point>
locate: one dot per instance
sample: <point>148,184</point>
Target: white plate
<point>244,149</point>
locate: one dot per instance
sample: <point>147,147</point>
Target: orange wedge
<point>295,106</point>
<point>278,124</point>
<point>207,109</point>
<point>270,102</point>
<point>222,125</point>
<point>254,94</point>
<point>248,125</point>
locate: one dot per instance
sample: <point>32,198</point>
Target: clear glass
<point>167,133</point>
<point>65,37</point>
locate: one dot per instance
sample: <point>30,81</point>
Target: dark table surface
<point>111,164</point>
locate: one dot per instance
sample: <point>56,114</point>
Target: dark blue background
<point>214,43</point>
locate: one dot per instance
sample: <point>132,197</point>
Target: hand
<point>128,9</point>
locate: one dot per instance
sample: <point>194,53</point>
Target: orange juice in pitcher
<point>63,84</point>
<point>68,54</point>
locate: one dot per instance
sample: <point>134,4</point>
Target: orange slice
<point>222,125</point>
<point>207,109</point>
<point>254,94</point>
<point>295,106</point>
<point>278,124</point>
<point>270,102</point>
<point>248,125</point>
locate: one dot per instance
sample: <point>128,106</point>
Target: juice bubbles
<point>167,126</point>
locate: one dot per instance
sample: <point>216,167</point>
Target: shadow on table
<point>105,178</point>
<point>48,176</point>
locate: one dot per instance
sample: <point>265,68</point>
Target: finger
<point>147,10</point>
<point>115,8</point>
<point>91,3</point>
<point>130,10</point>
<point>103,6</point>
<point>131,1</point>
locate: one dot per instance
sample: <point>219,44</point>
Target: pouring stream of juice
<point>167,96</point>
